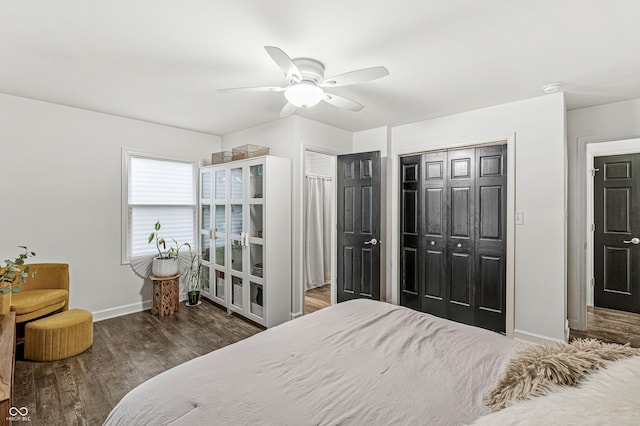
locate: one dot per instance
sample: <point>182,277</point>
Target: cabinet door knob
<point>459,245</point>
<point>433,243</point>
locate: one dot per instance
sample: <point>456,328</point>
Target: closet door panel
<point>433,227</point>
<point>453,211</point>
<point>490,244</point>
<point>409,202</point>
<point>490,278</point>
<point>460,237</point>
<point>490,218</point>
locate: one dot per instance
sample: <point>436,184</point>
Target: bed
<point>357,362</point>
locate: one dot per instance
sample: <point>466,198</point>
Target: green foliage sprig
<point>15,272</point>
<point>173,251</point>
<point>196,276</point>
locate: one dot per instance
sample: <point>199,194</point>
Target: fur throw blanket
<point>533,371</point>
<point>608,396</point>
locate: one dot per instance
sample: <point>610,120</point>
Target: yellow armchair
<point>45,293</point>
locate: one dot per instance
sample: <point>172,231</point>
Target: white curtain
<point>317,219</point>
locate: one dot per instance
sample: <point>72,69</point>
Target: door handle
<point>372,241</point>
<point>634,240</point>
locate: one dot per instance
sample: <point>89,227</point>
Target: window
<point>157,189</point>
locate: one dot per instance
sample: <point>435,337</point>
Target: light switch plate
<point>519,218</point>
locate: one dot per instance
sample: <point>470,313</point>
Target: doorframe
<point>592,150</point>
<point>334,221</point>
<point>394,222</point>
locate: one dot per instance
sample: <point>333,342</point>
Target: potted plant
<point>166,263</point>
<point>195,279</point>
<point>12,275</point>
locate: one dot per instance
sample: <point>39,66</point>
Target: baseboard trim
<point>296,315</point>
<point>527,337</point>
<point>121,310</point>
<point>127,309</point>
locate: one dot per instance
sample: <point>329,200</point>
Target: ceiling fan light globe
<point>304,95</point>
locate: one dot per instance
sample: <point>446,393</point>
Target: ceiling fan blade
<point>253,89</point>
<point>342,102</point>
<point>353,77</point>
<point>287,110</point>
<point>286,64</point>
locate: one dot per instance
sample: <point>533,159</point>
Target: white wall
<point>372,140</point>
<point>585,126</point>
<point>288,138</point>
<point>538,126</point>
<point>61,172</point>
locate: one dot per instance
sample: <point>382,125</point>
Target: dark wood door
<point>453,234</point>
<point>461,235</point>
<point>491,238</point>
<point>358,226</point>
<point>433,234</point>
<point>617,232</point>
<point>409,206</point>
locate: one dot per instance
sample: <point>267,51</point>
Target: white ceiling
<point>163,60</point>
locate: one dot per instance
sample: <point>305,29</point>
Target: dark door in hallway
<point>358,187</point>
<point>617,232</point>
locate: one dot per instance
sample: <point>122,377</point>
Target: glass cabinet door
<point>255,181</point>
<point>205,185</point>
<point>218,233</point>
<point>204,219</point>
<point>237,184</point>
<point>256,269</point>
<point>236,254</point>
<point>237,290</point>
<point>218,284</point>
<point>220,185</point>
<point>256,229</point>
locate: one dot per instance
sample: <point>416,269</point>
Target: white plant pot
<point>164,267</point>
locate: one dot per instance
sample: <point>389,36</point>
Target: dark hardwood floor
<point>611,326</point>
<point>317,298</point>
<point>126,351</point>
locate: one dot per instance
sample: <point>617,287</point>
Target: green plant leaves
<point>13,272</point>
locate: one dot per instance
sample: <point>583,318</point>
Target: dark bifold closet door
<point>358,186</point>
<point>453,210</point>
<point>617,233</point>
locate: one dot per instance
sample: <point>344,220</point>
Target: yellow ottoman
<point>58,336</point>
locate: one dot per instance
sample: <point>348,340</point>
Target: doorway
<point>319,214</point>
<point>590,319</point>
<point>616,255</point>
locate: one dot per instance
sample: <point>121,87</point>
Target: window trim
<point>127,154</point>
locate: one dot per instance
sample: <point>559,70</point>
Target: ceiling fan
<point>305,83</point>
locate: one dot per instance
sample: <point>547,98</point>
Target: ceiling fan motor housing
<point>310,69</point>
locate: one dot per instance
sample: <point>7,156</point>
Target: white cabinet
<point>245,236</point>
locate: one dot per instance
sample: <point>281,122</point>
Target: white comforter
<point>359,362</point>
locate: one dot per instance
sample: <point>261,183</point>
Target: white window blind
<point>159,190</point>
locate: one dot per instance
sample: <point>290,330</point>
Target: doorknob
<point>634,240</point>
<point>372,241</point>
